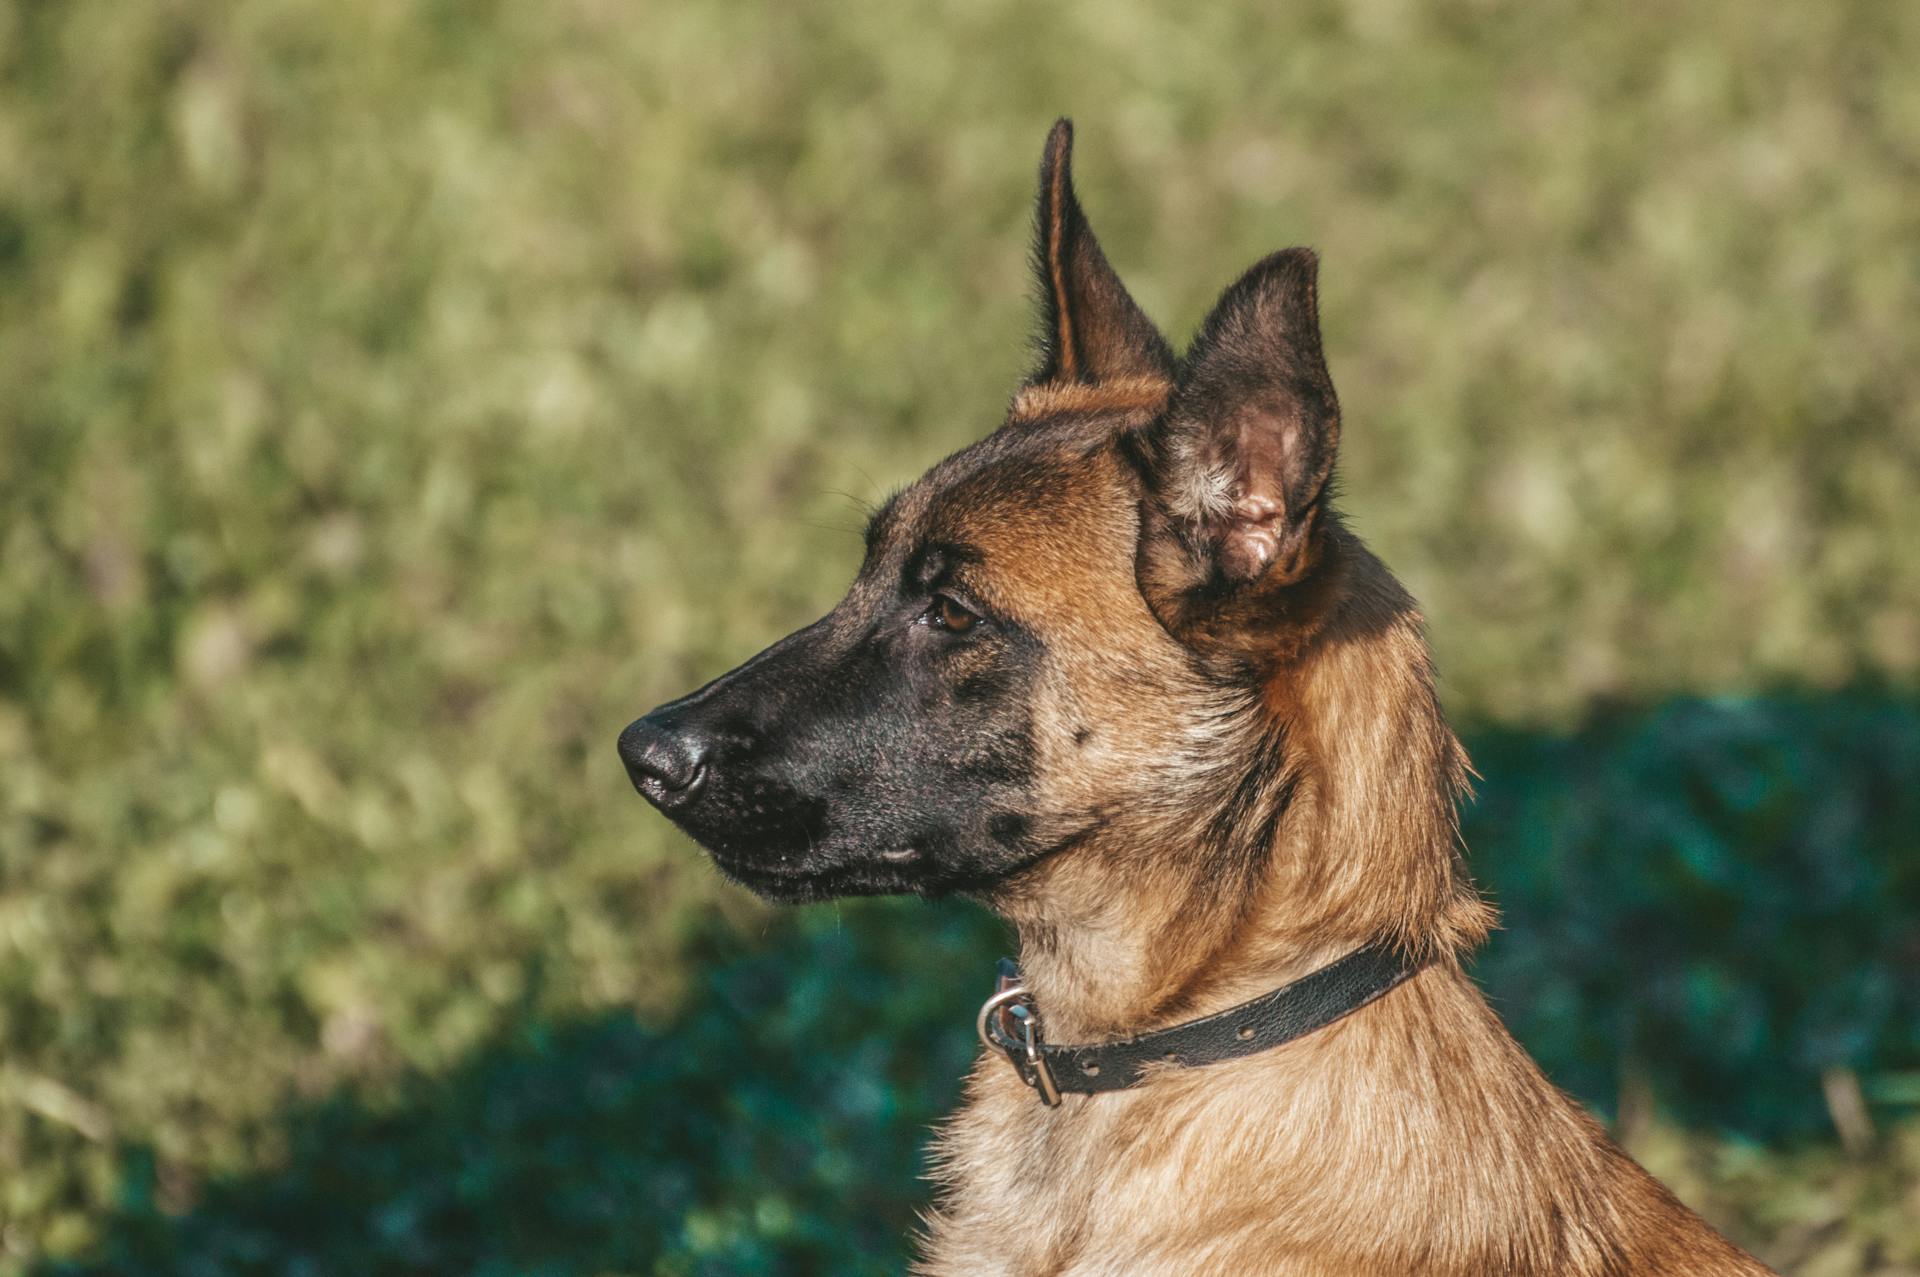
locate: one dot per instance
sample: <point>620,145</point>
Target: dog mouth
<point>885,873</point>
<point>906,869</point>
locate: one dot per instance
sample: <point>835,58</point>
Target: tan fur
<point>1415,1136</point>
<point>1056,257</point>
<point>1057,398</point>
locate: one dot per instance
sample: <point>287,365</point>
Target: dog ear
<point>1239,467</point>
<point>1092,330</point>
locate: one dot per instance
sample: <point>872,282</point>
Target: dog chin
<point>802,885</point>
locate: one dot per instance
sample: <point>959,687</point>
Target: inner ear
<point>1263,465</point>
<point>1092,331</point>
<point>1242,461</point>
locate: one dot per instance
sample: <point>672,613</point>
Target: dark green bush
<point>1725,893</point>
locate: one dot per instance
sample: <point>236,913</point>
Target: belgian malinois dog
<point>1120,671</point>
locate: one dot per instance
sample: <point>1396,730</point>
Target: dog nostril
<point>665,765</point>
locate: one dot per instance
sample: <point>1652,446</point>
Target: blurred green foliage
<point>1722,895</point>
<point>396,397</point>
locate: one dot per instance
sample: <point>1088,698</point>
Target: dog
<point>1120,671</point>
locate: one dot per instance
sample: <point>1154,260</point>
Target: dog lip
<point>746,867</point>
<point>782,885</point>
<point>760,875</point>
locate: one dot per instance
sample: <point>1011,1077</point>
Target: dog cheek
<point>1010,829</point>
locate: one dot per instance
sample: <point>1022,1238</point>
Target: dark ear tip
<point>1292,277</point>
<point>1059,143</point>
<point>1298,265</point>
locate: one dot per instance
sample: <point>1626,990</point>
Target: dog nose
<point>666,765</point>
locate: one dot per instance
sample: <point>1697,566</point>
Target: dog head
<point>1057,631</point>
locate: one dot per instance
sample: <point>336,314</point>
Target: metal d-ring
<point>1036,1074</point>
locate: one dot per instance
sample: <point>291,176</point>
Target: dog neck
<point>1348,795</point>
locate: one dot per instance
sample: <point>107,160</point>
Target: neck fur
<point>1328,824</point>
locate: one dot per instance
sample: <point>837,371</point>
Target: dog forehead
<point>1039,519</point>
<point>1002,508</point>
<point>1021,464</point>
<point>1048,520</point>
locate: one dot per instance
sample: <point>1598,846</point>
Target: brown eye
<point>947,615</point>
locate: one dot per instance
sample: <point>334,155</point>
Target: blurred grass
<point>395,398</point>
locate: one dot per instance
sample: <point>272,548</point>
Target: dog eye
<point>945,614</point>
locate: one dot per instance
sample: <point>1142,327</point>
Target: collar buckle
<point>1009,1022</point>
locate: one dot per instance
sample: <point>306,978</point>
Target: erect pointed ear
<point>1238,469</point>
<point>1093,331</point>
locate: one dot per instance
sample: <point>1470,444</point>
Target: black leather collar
<point>1009,1022</point>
